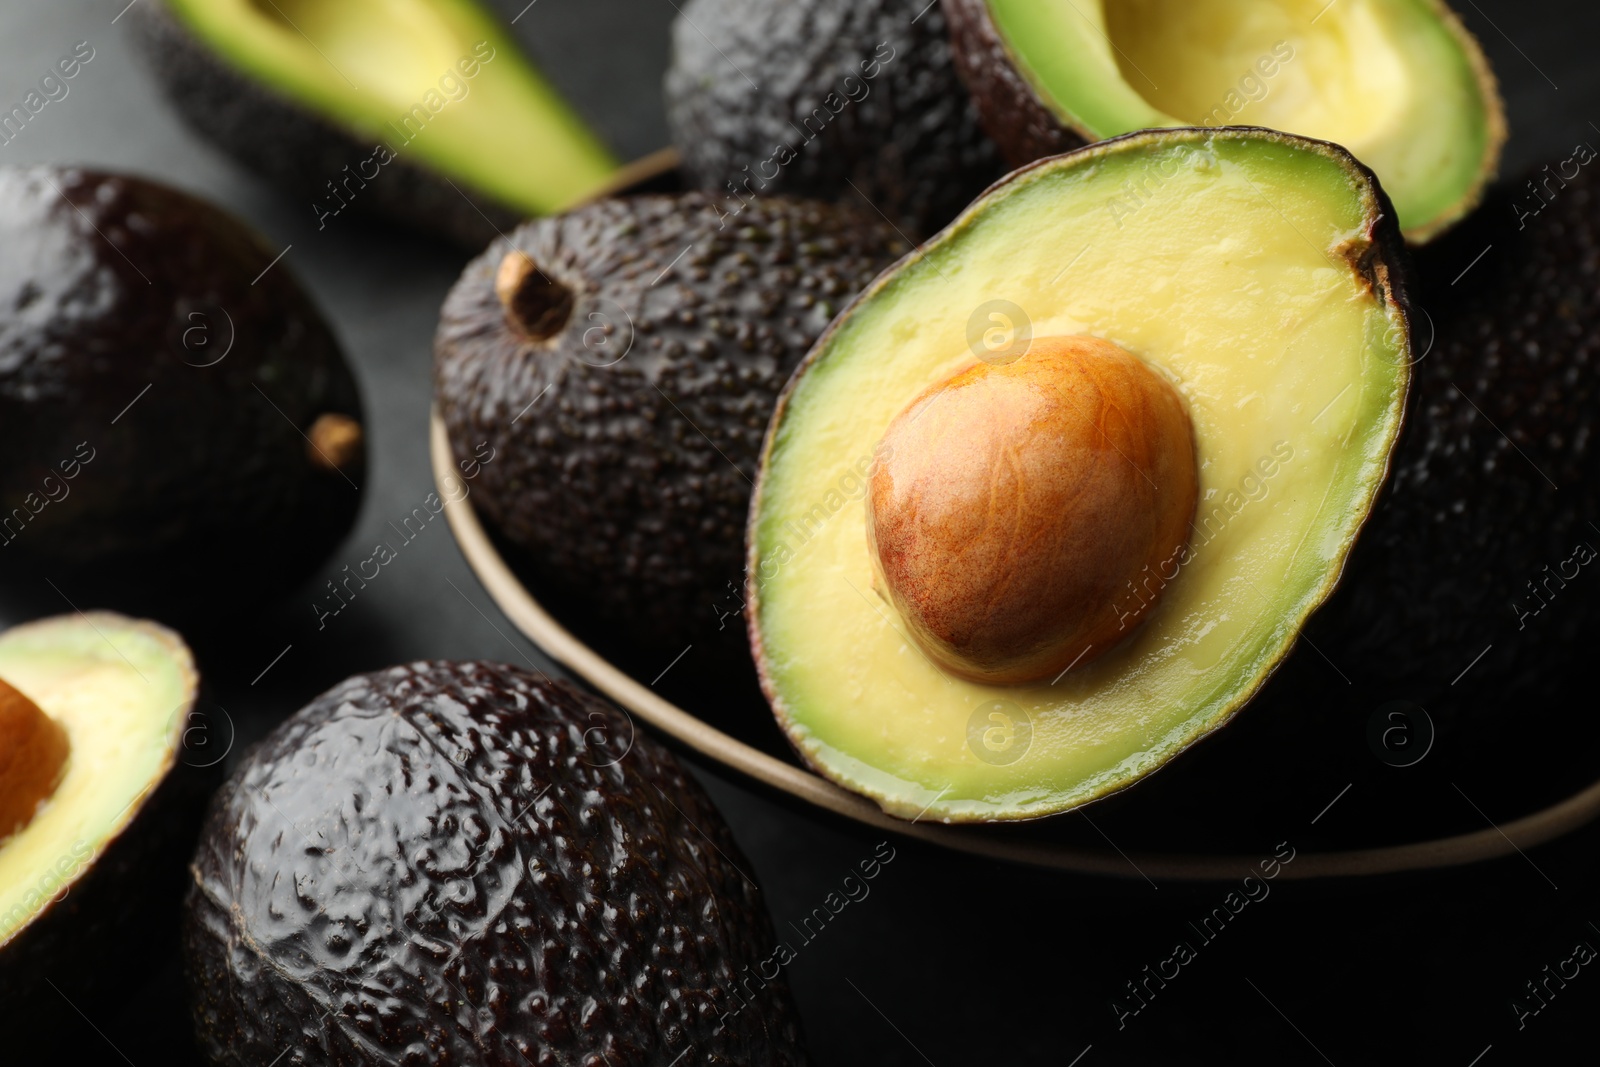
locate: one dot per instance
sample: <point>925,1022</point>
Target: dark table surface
<point>950,960</point>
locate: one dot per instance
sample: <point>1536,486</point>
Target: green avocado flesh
<point>1398,82</point>
<point>122,691</point>
<point>1249,268</point>
<point>437,80</point>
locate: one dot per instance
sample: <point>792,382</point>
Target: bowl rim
<point>539,626</point>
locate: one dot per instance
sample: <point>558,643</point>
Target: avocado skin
<point>912,146</point>
<point>629,484</point>
<point>1010,111</point>
<point>196,471</point>
<point>1503,399</point>
<point>295,148</point>
<point>444,861</point>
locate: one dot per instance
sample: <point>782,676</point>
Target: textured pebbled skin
<point>460,863</point>
<point>1504,399</point>
<point>630,482</point>
<point>113,292</point>
<point>911,145</point>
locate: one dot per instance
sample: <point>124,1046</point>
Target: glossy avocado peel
<point>1088,541</point>
<point>1400,83</point>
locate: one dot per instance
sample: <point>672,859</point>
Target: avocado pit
<point>33,758</point>
<point>1015,503</point>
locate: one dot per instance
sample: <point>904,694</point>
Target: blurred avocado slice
<point>98,806</point>
<point>326,96</point>
<point>1400,83</point>
<point>1253,274</point>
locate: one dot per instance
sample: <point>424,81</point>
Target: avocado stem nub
<point>335,442</point>
<point>33,758</point>
<point>536,305</point>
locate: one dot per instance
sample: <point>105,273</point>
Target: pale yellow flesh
<point>1229,279</point>
<point>1395,81</point>
<point>122,690</point>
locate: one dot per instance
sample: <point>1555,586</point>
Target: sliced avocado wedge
<point>1253,274</point>
<point>438,84</point>
<point>93,710</point>
<point>1400,83</point>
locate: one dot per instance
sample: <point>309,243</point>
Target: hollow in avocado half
<point>1050,501</point>
<point>422,110</point>
<point>1400,83</point>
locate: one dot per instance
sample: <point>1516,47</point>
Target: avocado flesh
<point>122,691</point>
<point>1256,276</point>
<point>365,64</point>
<point>1400,84</point>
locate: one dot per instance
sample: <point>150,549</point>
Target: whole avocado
<point>463,863</point>
<point>172,405</point>
<point>850,99</point>
<point>622,360</point>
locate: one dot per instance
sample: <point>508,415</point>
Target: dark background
<point>950,960</point>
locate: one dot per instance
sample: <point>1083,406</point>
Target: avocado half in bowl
<point>1308,738</point>
<point>1400,83</point>
<point>1111,459</point>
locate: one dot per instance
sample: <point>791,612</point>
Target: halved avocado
<point>93,710</point>
<point>1400,83</point>
<point>378,104</point>
<point>1003,399</point>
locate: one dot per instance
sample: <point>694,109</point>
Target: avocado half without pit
<point>1050,501</point>
<point>1400,83</point>
<point>93,710</point>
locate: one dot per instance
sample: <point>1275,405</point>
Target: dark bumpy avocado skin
<point>459,863</point>
<point>119,448</point>
<point>294,148</point>
<point>1010,111</point>
<point>907,138</point>
<point>1504,410</point>
<point>629,478</point>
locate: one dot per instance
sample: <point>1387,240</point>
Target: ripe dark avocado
<point>173,408</point>
<point>1400,83</point>
<point>622,360</point>
<point>1039,402</point>
<point>1469,584</point>
<point>463,863</point>
<point>434,119</point>
<point>849,99</point>
<point>94,711</point>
